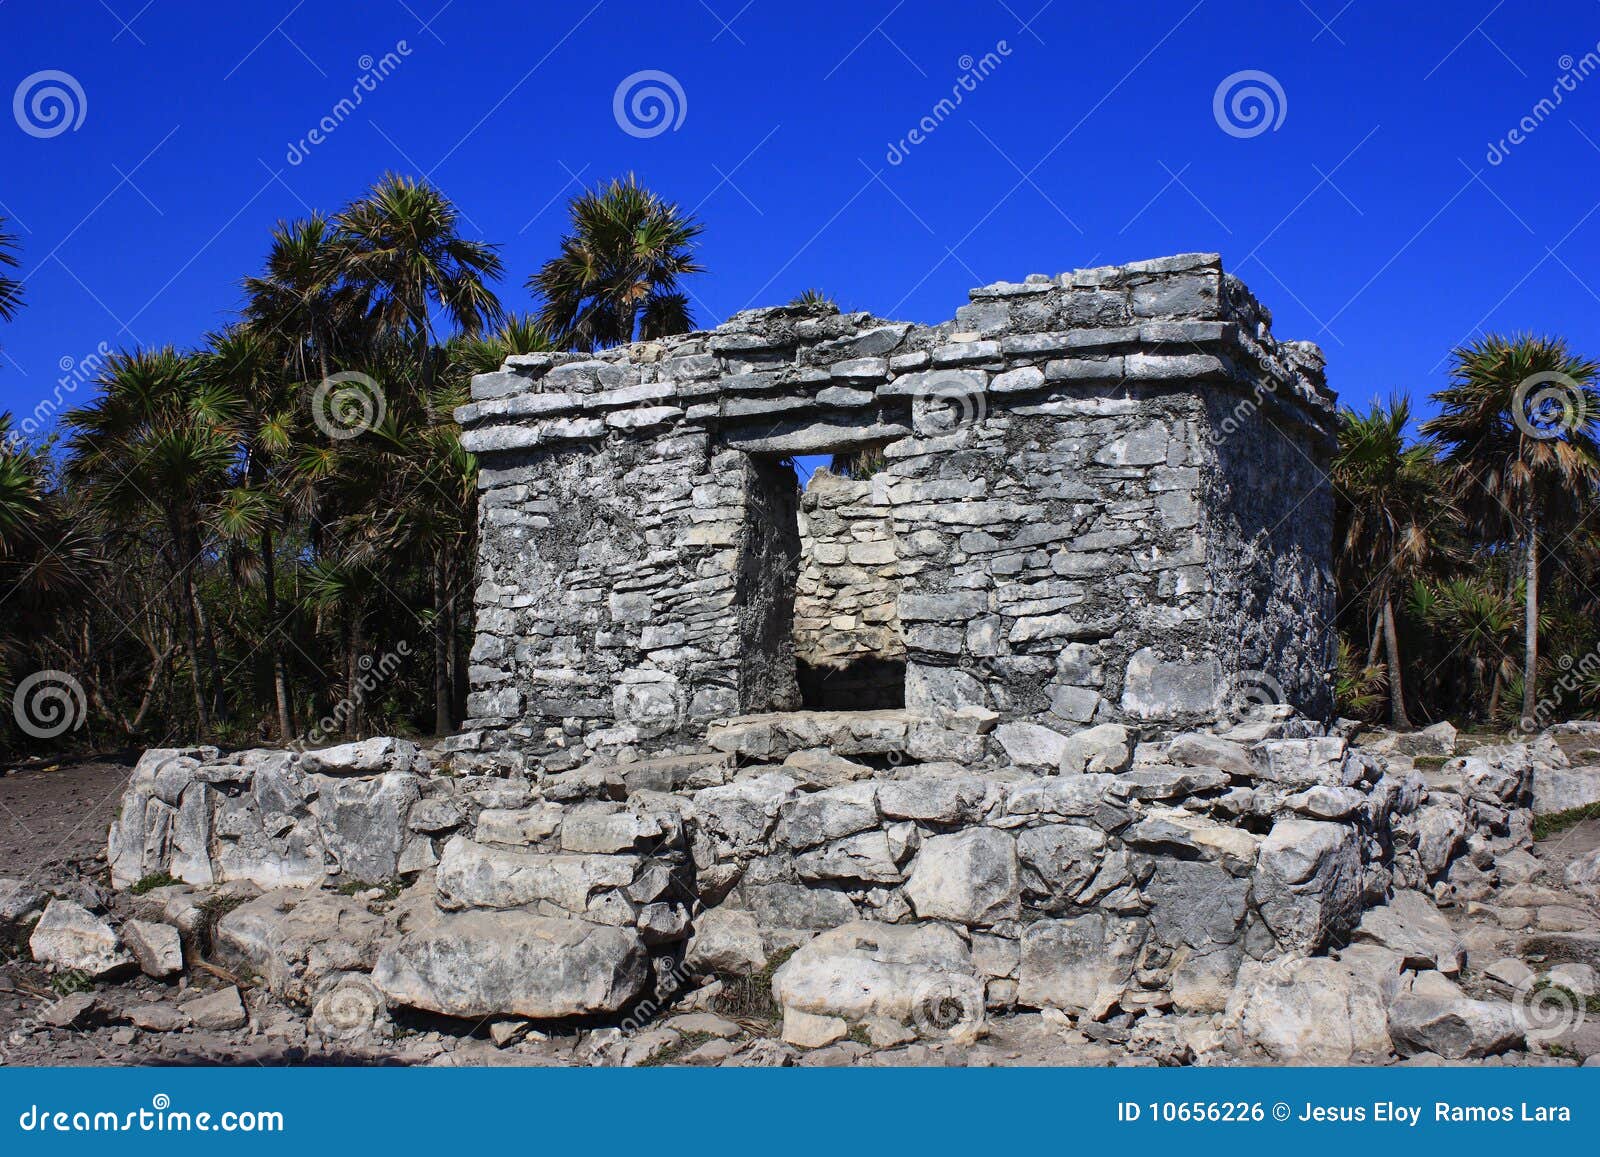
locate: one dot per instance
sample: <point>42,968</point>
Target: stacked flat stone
<point>848,589</point>
<point>1107,493</point>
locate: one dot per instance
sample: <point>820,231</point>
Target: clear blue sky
<point>1369,219</point>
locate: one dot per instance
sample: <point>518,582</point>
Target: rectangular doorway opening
<point>849,651</point>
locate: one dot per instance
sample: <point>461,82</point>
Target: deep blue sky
<point>1369,219</point>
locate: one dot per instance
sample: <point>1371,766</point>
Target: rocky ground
<point>1501,973</point>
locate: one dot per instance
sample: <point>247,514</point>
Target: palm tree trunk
<point>443,724</point>
<point>355,693</point>
<point>1530,629</point>
<point>280,670</point>
<point>1391,644</point>
<point>208,637</point>
<point>191,630</point>
<point>1377,641</point>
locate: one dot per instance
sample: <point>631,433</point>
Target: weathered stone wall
<point>845,607</point>
<point>1088,874</point>
<point>1084,529</point>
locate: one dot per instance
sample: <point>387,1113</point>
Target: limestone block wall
<point>847,593</point>
<point>1104,491</point>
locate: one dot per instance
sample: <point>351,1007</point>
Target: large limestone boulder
<point>1439,739</point>
<point>72,938</point>
<point>471,875</point>
<point>831,814</point>
<point>1561,789</point>
<point>1081,963</point>
<point>363,821</point>
<point>1309,1011</point>
<point>1307,882</point>
<point>368,757</point>
<point>1198,910</point>
<point>274,818</point>
<point>865,969</point>
<point>1411,926</point>
<point>478,964</point>
<point>737,818</point>
<point>1455,1028</point>
<point>970,877</point>
<point>1200,749</point>
<point>1298,764</point>
<point>294,939</point>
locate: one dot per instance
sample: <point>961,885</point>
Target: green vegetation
<point>1465,560</point>
<point>153,881</point>
<point>1546,826</point>
<point>271,536</point>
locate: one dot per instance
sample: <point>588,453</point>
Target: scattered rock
<point>70,937</point>
<point>75,1010</point>
<point>1453,1028</point>
<point>19,901</point>
<point>218,1011</point>
<point>157,947</point>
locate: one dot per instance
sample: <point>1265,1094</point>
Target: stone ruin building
<point>1093,498</point>
<point>1026,706</point>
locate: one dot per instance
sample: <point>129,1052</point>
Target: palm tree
<point>401,252</point>
<point>298,299</point>
<point>10,290</point>
<point>248,365</point>
<point>158,447</point>
<point>1479,621</point>
<point>1388,495</point>
<point>518,334</point>
<point>1518,425</point>
<point>616,277</point>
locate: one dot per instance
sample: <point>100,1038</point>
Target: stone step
<point>774,735</point>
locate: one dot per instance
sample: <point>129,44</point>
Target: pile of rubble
<point>1265,892</point>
